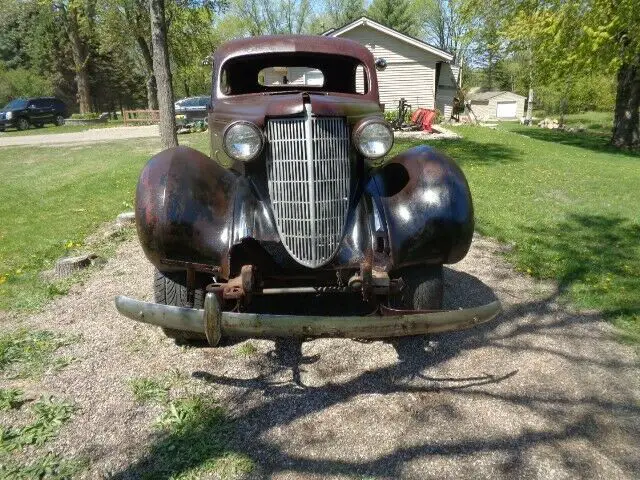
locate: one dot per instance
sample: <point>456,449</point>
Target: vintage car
<point>298,224</point>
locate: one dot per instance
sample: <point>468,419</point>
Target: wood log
<point>126,218</point>
<point>67,266</point>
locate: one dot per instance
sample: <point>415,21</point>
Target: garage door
<point>506,110</point>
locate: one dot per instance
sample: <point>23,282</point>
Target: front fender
<point>427,207</point>
<point>184,207</point>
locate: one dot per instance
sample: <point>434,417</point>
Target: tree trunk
<point>152,92</point>
<point>626,122</point>
<point>152,89</point>
<point>80,61</point>
<point>162,72</point>
<point>529,116</point>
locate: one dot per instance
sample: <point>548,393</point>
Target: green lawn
<point>566,202</point>
<point>52,198</point>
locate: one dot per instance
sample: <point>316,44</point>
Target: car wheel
<point>22,124</point>
<point>423,288</point>
<point>168,292</point>
<point>59,120</point>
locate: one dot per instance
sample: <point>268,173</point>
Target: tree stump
<point>67,266</point>
<point>126,218</point>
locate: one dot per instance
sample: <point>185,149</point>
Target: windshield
<point>274,73</point>
<point>18,103</point>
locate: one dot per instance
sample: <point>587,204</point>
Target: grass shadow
<point>463,150</point>
<point>595,260</point>
<point>596,142</point>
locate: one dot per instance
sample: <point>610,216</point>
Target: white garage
<point>495,105</point>
<point>507,110</point>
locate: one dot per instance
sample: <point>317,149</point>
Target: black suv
<point>21,113</point>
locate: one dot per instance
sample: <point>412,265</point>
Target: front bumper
<point>4,123</point>
<point>214,323</point>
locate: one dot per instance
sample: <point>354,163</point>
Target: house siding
<point>447,89</point>
<point>410,72</point>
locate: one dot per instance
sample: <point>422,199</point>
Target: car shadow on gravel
<point>287,402</point>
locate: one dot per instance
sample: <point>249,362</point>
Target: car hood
<point>257,107</point>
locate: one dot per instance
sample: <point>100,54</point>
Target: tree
<point>192,38</point>
<point>447,25</point>
<point>162,71</point>
<point>611,40</point>
<point>566,39</point>
<point>396,14</point>
<point>77,18</point>
<point>342,12</point>
<point>34,52</point>
<point>262,17</point>
<point>126,26</point>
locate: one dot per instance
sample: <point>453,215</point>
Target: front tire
<point>59,120</point>
<point>169,292</point>
<point>22,124</point>
<point>423,288</point>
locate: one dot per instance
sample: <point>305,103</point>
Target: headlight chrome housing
<point>373,137</point>
<point>9,115</point>
<point>243,141</point>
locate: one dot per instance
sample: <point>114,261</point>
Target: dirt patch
<point>543,392</point>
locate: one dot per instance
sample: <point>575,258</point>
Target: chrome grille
<point>308,171</point>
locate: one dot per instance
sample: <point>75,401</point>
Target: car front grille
<point>308,172</point>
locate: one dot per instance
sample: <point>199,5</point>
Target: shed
<point>424,75</point>
<point>495,105</point>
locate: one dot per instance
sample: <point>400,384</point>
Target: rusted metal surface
<point>216,323</point>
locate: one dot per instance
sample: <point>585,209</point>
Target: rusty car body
<point>295,203</point>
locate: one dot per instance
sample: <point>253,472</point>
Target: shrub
<point>85,116</point>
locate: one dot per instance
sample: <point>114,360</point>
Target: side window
<point>224,83</point>
<point>42,103</point>
<point>362,82</point>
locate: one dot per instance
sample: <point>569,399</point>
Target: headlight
<point>373,138</point>
<point>242,141</point>
<point>9,115</point>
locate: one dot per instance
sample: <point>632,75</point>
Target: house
<point>497,105</point>
<point>422,74</point>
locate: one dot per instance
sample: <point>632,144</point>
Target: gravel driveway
<point>543,392</point>
<point>93,135</point>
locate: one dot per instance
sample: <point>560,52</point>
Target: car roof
<point>39,98</point>
<point>274,44</point>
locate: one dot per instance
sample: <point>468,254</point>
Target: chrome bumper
<point>214,323</point>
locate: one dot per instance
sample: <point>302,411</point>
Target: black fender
<point>184,210</point>
<point>427,207</point>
